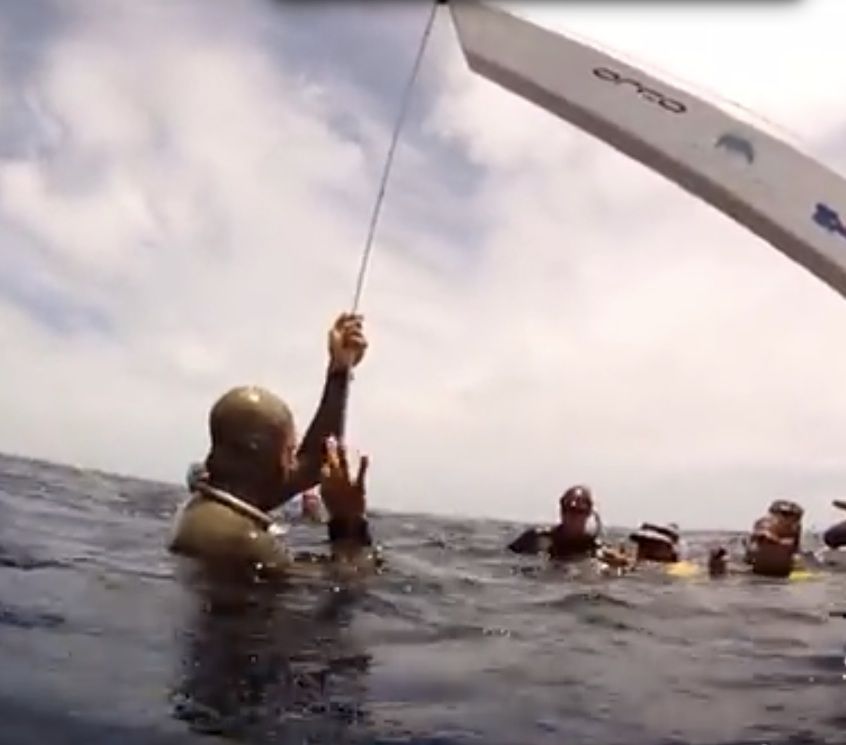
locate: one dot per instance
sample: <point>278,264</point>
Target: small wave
<point>457,642</point>
<point>19,558</point>
<point>24,618</point>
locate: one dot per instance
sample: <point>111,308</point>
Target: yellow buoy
<point>798,575</point>
<point>683,569</point>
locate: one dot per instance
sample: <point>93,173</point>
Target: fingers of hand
<point>353,338</point>
<point>347,321</point>
<point>351,323</point>
<point>336,464</point>
<point>333,461</point>
<point>363,465</point>
<point>346,339</point>
<point>343,464</point>
<point>340,321</point>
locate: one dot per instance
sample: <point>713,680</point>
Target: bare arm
<point>347,346</point>
<point>328,421</point>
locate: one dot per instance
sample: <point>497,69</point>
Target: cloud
<point>191,193</point>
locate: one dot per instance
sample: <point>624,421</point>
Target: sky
<point>185,187</point>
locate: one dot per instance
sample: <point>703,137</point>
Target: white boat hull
<point>782,195</point>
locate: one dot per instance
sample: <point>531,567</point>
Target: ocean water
<point>102,639</point>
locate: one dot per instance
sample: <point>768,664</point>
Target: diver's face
<point>656,551</point>
<point>788,525</point>
<point>574,520</point>
<point>311,505</point>
<point>792,524</point>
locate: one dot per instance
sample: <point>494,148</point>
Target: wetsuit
<point>555,542</point>
<point>835,536</point>
<point>224,538</point>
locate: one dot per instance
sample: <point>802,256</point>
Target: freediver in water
<point>772,548</point>
<point>256,659</point>
<point>655,546</point>
<point>576,536</point>
<point>254,465</point>
<point>656,543</point>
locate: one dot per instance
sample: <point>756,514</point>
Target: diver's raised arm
<point>347,345</point>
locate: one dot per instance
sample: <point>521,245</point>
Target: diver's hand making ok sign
<point>343,496</point>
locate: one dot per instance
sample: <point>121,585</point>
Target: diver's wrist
<point>350,529</point>
<point>338,369</point>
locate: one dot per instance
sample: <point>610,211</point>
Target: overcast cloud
<point>184,192</point>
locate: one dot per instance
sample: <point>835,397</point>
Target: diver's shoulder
<point>203,525</point>
<point>530,541</point>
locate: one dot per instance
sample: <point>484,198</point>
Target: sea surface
<point>102,640</point>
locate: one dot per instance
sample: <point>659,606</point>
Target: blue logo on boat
<point>828,218</point>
